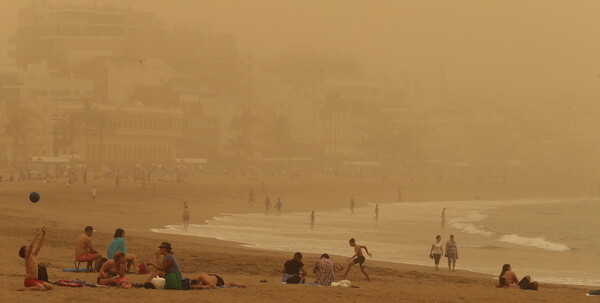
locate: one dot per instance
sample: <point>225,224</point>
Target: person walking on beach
<point>186,215</point>
<point>451,253</point>
<point>443,217</point>
<point>357,258</point>
<point>267,204</point>
<point>376,218</point>
<point>117,181</point>
<point>94,194</point>
<point>29,253</point>
<point>312,219</point>
<point>251,197</point>
<point>278,205</point>
<point>352,205</point>
<point>436,251</point>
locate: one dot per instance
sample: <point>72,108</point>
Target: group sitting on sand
<point>113,272</point>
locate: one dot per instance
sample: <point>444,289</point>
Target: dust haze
<point>420,90</point>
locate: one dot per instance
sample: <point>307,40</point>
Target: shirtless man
<point>267,204</point>
<point>357,258</point>
<point>85,252</point>
<point>186,215</point>
<point>443,217</point>
<point>31,265</point>
<point>210,281</point>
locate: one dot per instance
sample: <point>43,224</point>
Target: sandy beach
<point>65,211</point>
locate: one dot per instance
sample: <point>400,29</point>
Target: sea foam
<point>538,242</point>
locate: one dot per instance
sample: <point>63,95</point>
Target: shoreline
<point>65,211</point>
<point>526,201</point>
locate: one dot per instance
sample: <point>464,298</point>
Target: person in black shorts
<point>357,258</point>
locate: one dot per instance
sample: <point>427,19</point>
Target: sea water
<point>550,239</point>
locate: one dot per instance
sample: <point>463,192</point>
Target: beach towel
<point>73,283</point>
<point>73,270</point>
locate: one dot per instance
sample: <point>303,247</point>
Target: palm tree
<point>92,122</point>
<point>244,124</point>
<point>17,127</point>
<point>278,136</point>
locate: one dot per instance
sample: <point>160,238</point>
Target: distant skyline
<point>520,49</point>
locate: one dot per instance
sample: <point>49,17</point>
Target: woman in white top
<point>437,250</point>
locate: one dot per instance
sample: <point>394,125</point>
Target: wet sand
<point>65,211</point>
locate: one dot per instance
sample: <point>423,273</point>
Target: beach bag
<point>158,282</point>
<point>142,269</point>
<point>185,283</point>
<point>295,279</point>
<point>42,273</point>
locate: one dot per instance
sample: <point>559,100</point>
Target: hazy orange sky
<point>525,48</point>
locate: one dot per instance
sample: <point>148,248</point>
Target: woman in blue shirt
<point>118,244</point>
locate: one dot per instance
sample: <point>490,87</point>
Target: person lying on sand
<point>29,253</point>
<point>85,252</point>
<point>168,268</point>
<point>210,281</point>
<point>508,278</point>
<point>112,272</point>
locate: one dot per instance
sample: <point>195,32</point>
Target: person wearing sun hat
<point>168,268</point>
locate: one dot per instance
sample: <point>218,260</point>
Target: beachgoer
<point>186,215</point>
<point>352,205</point>
<point>94,194</point>
<point>324,271</point>
<point>278,205</point>
<point>168,268</point>
<point>399,194</point>
<point>112,272</point>
<point>29,253</point>
<point>209,281</point>
<point>267,204</point>
<point>376,218</point>
<point>117,181</point>
<point>293,270</point>
<point>508,278</point>
<point>436,251</point>
<point>251,197</point>
<point>357,258</point>
<point>312,219</point>
<point>451,253</point>
<point>118,244</point>
<point>85,252</point>
<point>443,217</point>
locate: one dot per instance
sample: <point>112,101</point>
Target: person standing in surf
<point>186,215</point>
<point>278,206</point>
<point>267,204</point>
<point>352,205</point>
<point>376,218</point>
<point>312,219</point>
<point>443,217</point>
